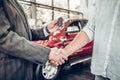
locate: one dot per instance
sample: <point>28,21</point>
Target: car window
<point>74,27</point>
<point>71,29</point>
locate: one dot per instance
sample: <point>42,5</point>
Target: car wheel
<point>47,72</point>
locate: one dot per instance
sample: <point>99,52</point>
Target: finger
<point>55,22</point>
<point>54,63</point>
<point>63,53</point>
<point>64,57</point>
<point>58,28</point>
<point>56,60</point>
<point>59,62</point>
<point>62,61</point>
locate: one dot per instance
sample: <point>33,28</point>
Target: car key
<point>60,20</point>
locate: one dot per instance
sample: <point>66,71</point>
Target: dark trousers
<point>101,78</point>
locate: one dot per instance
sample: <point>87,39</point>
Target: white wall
<point>87,11</point>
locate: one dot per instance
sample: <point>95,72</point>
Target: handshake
<point>58,56</point>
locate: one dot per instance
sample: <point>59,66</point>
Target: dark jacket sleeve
<point>13,44</point>
<point>38,34</point>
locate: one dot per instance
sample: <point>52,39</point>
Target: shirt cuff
<point>45,31</point>
<point>89,32</point>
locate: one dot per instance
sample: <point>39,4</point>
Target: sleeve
<point>41,33</point>
<point>89,29</point>
<point>12,44</point>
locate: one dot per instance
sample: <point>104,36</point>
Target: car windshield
<point>76,23</point>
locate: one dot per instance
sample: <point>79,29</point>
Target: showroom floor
<point>78,72</point>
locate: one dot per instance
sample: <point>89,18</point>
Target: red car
<point>60,39</point>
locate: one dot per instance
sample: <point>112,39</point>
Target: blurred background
<point>42,11</point>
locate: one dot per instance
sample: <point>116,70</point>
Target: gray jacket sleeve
<point>13,44</point>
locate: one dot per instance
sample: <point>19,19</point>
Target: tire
<point>47,72</point>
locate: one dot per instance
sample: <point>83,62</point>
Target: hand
<point>56,58</point>
<point>59,57</point>
<point>53,26</point>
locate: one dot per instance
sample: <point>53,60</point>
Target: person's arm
<point>43,33</point>
<point>19,47</point>
<point>82,38</point>
<point>13,44</point>
<point>79,41</point>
